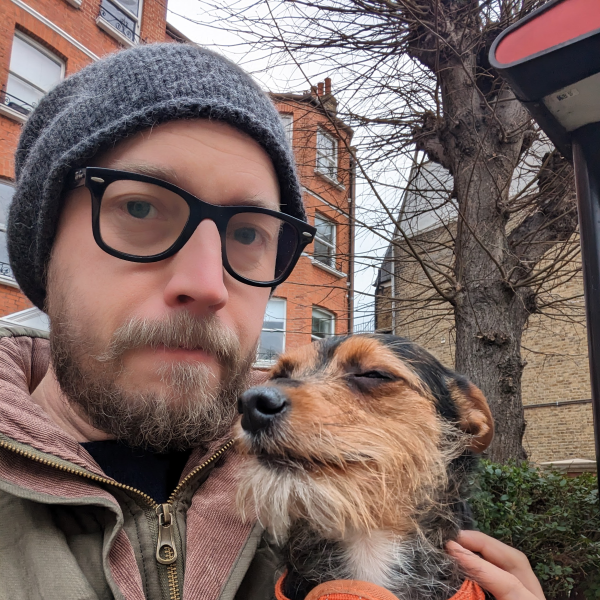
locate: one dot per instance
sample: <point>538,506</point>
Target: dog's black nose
<point>259,406</point>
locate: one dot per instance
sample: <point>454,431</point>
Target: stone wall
<point>555,385</point>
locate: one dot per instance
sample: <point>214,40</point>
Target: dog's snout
<point>259,406</point>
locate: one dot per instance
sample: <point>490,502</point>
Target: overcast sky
<point>186,15</point>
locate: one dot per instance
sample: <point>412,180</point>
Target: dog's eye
<point>366,381</point>
<point>281,375</point>
<point>374,375</point>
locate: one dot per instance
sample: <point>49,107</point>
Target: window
<point>272,338</point>
<point>288,125</point>
<point>324,244</point>
<point>6,194</point>
<point>33,72</point>
<point>323,324</point>
<point>122,15</point>
<point>326,155</point>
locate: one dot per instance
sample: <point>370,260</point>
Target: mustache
<point>179,330</point>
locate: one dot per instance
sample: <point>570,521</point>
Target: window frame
<point>6,275</point>
<point>270,361</point>
<point>289,131</point>
<point>42,50</point>
<point>332,245</point>
<point>331,320</point>
<point>332,172</point>
<point>120,35</point>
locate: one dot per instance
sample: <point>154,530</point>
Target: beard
<point>196,407</point>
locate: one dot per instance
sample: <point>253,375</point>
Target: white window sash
<point>324,316</point>
<point>329,244</point>
<point>136,19</point>
<point>288,125</point>
<point>281,330</point>
<point>42,50</point>
<point>28,82</point>
<point>127,11</point>
<point>327,153</point>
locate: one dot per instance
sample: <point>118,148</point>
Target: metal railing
<point>6,271</point>
<point>120,21</point>
<point>267,355</point>
<point>365,326</point>
<point>15,103</point>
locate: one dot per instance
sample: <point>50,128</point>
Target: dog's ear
<point>474,413</point>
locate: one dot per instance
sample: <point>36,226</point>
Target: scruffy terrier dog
<point>360,449</point>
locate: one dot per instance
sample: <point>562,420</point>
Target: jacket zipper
<point>166,551</point>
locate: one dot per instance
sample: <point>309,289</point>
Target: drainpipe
<point>352,212</point>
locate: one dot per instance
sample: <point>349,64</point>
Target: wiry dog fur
<point>363,473</point>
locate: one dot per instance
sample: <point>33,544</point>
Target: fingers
<point>507,559</point>
<point>501,584</point>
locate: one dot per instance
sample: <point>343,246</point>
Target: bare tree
<point>414,74</point>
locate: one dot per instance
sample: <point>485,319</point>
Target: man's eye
<point>245,235</point>
<point>140,210</point>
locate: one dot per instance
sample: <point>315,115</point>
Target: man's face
<point>172,339</point>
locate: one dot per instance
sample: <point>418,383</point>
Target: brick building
<point>316,300</point>
<point>43,41</point>
<point>555,383</point>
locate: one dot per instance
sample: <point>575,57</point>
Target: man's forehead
<point>170,174</point>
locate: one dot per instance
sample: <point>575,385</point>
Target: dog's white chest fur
<point>371,556</point>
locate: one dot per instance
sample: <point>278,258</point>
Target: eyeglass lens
<point>143,219</point>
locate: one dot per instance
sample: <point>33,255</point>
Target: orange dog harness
<point>360,590</point>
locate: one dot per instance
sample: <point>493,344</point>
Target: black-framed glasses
<point>144,219</point>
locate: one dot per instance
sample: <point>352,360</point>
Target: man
<point>156,207</point>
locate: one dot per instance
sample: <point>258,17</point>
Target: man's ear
<point>474,413</point>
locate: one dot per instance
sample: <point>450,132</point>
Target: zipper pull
<point>165,536</point>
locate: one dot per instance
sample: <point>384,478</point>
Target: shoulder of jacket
<point>14,331</point>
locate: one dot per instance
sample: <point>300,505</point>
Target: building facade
<point>44,41</point>
<point>316,301</point>
<point>555,383</point>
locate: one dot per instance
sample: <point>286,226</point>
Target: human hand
<point>503,571</point>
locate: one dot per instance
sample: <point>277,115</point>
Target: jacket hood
<point>24,360</point>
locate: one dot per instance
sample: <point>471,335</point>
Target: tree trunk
<point>489,324</point>
<point>489,313</point>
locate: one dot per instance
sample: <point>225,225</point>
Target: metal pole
<point>586,159</point>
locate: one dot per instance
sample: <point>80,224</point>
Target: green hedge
<point>554,520</point>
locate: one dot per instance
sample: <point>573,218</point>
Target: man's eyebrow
<point>170,175</point>
<point>160,172</point>
<point>255,201</point>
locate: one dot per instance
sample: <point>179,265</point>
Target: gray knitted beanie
<point>110,100</point>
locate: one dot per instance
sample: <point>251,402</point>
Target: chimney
<point>320,88</point>
<point>328,85</point>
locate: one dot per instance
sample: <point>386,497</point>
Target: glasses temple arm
<point>75,179</point>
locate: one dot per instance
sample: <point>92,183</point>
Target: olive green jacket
<point>69,532</point>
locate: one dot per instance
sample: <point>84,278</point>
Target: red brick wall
<point>12,300</point>
<point>80,23</point>
<point>310,286</point>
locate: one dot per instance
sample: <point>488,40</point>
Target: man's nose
<point>197,274</point>
<point>259,406</point>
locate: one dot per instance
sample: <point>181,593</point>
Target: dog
<point>359,454</point>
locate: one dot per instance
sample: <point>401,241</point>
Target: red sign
<point>561,23</point>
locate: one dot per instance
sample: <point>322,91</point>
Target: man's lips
<point>164,353</point>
